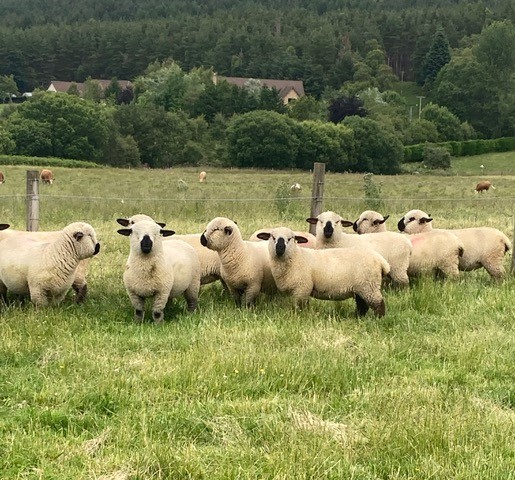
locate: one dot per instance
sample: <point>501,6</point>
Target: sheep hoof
<point>138,316</point>
<point>361,306</point>
<point>81,293</point>
<point>158,317</point>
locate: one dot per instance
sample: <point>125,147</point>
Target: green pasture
<point>426,392</point>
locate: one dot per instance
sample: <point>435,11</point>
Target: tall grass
<point>425,392</point>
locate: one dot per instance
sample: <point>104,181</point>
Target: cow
<point>46,176</point>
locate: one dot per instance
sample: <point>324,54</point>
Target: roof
<point>60,86</point>
<point>282,86</point>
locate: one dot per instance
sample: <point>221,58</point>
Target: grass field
<point>428,391</point>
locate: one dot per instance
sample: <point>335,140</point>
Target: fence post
<point>32,200</point>
<point>317,193</point>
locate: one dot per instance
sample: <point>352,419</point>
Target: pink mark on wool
<point>417,240</point>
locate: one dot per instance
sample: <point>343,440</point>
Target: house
<point>63,87</point>
<point>288,89</point>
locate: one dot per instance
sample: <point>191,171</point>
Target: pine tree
<point>438,56</point>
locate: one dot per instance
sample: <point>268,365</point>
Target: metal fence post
<point>32,200</point>
<point>317,193</point>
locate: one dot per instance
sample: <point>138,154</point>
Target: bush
<point>46,162</point>
<point>436,157</point>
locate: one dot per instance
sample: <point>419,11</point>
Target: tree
<point>438,56</point>
<point>262,139</point>
<point>343,107</point>
<point>92,90</point>
<point>8,88</point>
<point>447,124</point>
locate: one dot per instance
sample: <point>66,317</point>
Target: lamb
<point>311,239</point>
<point>483,246</point>
<point>46,176</point>
<point>45,269</point>
<point>333,274</point>
<point>483,186</point>
<point>296,187</point>
<point>394,247</point>
<point>80,283</point>
<point>202,177</point>
<point>159,270</point>
<point>245,265</point>
<point>436,252</point>
<point>209,260</point>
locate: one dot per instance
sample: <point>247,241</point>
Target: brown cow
<point>2,177</point>
<point>46,176</point>
<point>484,186</point>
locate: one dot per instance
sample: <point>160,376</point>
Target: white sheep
<point>45,269</point>
<point>296,187</point>
<point>436,252</point>
<point>202,177</point>
<point>245,265</point>
<point>209,260</point>
<point>333,274</point>
<point>483,246</point>
<point>311,239</point>
<point>80,283</point>
<point>159,270</point>
<point>394,247</point>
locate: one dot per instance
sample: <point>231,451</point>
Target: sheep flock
<point>334,264</point>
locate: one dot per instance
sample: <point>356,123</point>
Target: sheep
<point>2,178</point>
<point>484,185</point>
<point>45,269</point>
<point>296,187</point>
<point>46,176</point>
<point>80,283</point>
<point>202,177</point>
<point>333,274</point>
<point>483,246</point>
<point>394,247</point>
<point>438,254</point>
<point>209,260</point>
<point>159,270</point>
<point>245,265</point>
<point>311,239</point>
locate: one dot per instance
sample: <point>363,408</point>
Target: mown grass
<point>425,392</point>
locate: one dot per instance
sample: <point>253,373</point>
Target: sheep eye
<point>365,220</point>
<point>411,219</point>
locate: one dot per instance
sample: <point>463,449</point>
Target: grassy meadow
<point>428,391</point>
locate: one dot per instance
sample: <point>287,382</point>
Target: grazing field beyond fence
<point>428,391</point>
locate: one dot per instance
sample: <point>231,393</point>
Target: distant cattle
<point>485,185</point>
<point>202,177</point>
<point>46,176</point>
<point>2,177</point>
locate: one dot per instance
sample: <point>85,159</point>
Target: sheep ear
<point>123,221</point>
<point>312,220</point>
<point>167,233</point>
<point>300,239</point>
<point>78,235</point>
<point>125,231</point>
<point>264,235</point>
<point>379,222</point>
<point>346,223</point>
<point>425,220</point>
<point>3,226</point>
<point>161,224</point>
<point>228,230</point>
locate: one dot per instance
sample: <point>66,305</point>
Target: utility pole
<point>420,97</point>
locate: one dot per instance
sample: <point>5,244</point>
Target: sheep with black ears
<point>159,270</point>
<point>394,247</point>
<point>483,246</point>
<point>245,265</point>
<point>332,274</point>
<point>209,260</point>
<point>45,269</point>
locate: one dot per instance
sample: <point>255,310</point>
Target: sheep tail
<point>385,267</point>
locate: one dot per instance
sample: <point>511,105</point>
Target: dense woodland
<point>354,58</point>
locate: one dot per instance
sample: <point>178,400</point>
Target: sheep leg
<point>138,304</point>
<point>236,294</point>
<point>300,303</point>
<point>81,292</point>
<point>361,305</point>
<point>496,271</point>
<point>250,295</point>
<point>159,305</point>
<point>191,296</point>
<point>38,296</point>
<point>3,292</point>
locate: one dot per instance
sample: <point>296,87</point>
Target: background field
<point>427,391</point>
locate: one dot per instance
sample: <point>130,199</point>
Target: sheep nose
<point>401,225</point>
<point>203,240</point>
<point>97,248</point>
<point>328,230</point>
<point>355,226</point>
<point>280,247</point>
<point>146,244</point>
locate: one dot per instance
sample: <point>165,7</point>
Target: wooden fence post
<point>317,193</point>
<point>32,200</point>
<point>512,267</point>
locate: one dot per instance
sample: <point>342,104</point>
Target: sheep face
<point>370,222</point>
<point>328,225</point>
<point>282,242</point>
<point>219,234</point>
<point>145,236</point>
<point>84,239</point>
<point>415,221</point>
<point>127,222</point>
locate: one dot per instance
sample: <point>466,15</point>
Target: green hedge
<point>46,162</point>
<point>415,153</point>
